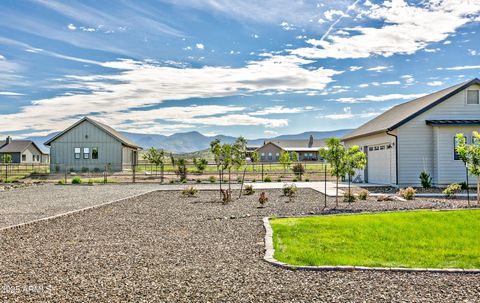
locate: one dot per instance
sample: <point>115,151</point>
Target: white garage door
<point>378,164</point>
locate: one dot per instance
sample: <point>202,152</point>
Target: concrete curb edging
<point>270,251</point>
<point>72,212</point>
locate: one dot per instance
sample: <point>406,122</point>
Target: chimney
<point>9,140</point>
<point>310,142</point>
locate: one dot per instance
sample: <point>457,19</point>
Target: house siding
<point>423,148</point>
<point>62,149</point>
<point>269,148</point>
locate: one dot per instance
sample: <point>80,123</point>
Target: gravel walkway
<point>32,203</point>
<point>162,247</point>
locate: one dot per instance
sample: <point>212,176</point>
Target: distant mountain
<point>194,141</point>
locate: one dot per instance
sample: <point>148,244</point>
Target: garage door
<point>378,164</point>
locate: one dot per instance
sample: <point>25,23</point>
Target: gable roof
<point>112,132</point>
<point>297,143</point>
<point>17,146</point>
<point>402,113</point>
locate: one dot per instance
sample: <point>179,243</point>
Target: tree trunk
<point>229,179</point>
<point>161,177</point>
<point>336,194</point>
<point>243,181</point>
<point>349,192</point>
<point>220,180</point>
<point>478,190</point>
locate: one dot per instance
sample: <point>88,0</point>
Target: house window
<point>95,153</point>
<point>262,156</point>
<point>86,153</point>
<point>456,156</point>
<point>77,152</point>
<point>24,157</point>
<point>270,156</point>
<point>277,156</point>
<point>472,97</point>
<point>38,158</point>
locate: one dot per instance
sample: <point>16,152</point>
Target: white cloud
<point>270,133</point>
<point>355,68</point>
<point>472,52</point>
<point>447,42</point>
<point>459,67</point>
<point>435,83</point>
<point>72,27</point>
<point>287,26</point>
<point>282,110</point>
<point>378,69</point>
<point>330,14</point>
<point>405,29</point>
<point>200,46</point>
<point>347,114</point>
<point>138,85</point>
<point>363,85</point>
<point>431,50</point>
<point>379,98</point>
<point>391,83</point>
<point>10,94</point>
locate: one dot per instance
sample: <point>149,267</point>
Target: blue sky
<point>226,66</point>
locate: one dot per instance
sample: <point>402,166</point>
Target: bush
<point>57,168</point>
<point>189,191</point>
<point>263,199</point>
<point>97,170</point>
<point>267,179</point>
<point>408,193</point>
<point>452,190</point>
<point>294,180</point>
<point>425,179</point>
<point>171,181</point>
<point>249,190</point>
<point>464,185</point>
<point>307,180</point>
<point>298,170</point>
<point>254,180</point>
<point>90,181</point>
<point>61,182</point>
<point>279,180</point>
<point>184,181</point>
<point>363,195</point>
<point>85,169</point>
<point>289,190</point>
<point>239,179</point>
<point>199,181</point>
<point>226,196</point>
<point>212,179</point>
<point>349,197</point>
<point>76,180</point>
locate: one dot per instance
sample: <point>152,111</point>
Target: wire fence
<point>148,172</point>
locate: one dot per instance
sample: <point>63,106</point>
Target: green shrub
<point>294,180</point>
<point>90,181</point>
<point>289,190</point>
<point>408,193</point>
<point>425,179</point>
<point>307,180</point>
<point>77,180</point>
<point>199,181</point>
<point>61,182</point>
<point>452,190</point>
<point>212,179</point>
<point>97,170</point>
<point>184,181</point>
<point>349,197</point>
<point>171,181</point>
<point>279,180</point>
<point>189,191</point>
<point>267,179</point>
<point>464,185</point>
<point>298,170</point>
<point>249,190</point>
<point>57,168</point>
<point>363,195</point>
<point>85,169</point>
<point>254,180</point>
<point>239,179</point>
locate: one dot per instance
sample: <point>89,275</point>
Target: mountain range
<point>195,141</point>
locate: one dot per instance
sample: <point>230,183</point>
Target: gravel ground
<point>32,203</point>
<point>165,248</point>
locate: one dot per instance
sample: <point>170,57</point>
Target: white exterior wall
<point>377,139</point>
<point>420,149</point>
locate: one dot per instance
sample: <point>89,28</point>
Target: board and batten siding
<point>421,147</point>
<point>373,140</point>
<point>86,134</point>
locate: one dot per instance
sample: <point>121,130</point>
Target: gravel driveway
<point>32,203</point>
<point>162,247</point>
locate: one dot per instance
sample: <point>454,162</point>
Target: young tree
<point>285,161</point>
<point>181,170</point>
<point>334,153</point>
<point>240,157</point>
<point>200,164</point>
<point>353,159</point>
<point>470,155</point>
<point>156,157</point>
<point>294,156</point>
<point>6,158</point>
<point>255,157</point>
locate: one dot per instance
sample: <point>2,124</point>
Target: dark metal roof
<point>402,113</point>
<point>452,122</point>
<point>124,140</point>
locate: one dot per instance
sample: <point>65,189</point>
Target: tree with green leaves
<point>181,170</point>
<point>285,161</point>
<point>334,152</point>
<point>470,155</point>
<point>254,157</point>
<point>7,158</point>
<point>294,156</point>
<point>240,157</point>
<point>353,159</point>
<point>157,158</point>
<point>200,164</point>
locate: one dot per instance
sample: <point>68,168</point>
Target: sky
<point>232,67</point>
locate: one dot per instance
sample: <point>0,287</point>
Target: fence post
<point>105,175</point>
<point>65,174</point>
<point>325,174</point>
<point>262,171</point>
<point>133,171</point>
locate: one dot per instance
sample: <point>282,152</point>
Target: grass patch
<point>423,239</point>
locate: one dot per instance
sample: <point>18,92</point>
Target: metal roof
<point>402,113</point>
<point>124,140</point>
<point>296,144</point>
<point>452,122</point>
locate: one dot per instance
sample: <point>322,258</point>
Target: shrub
<point>267,179</point>
<point>97,170</point>
<point>76,180</point>
<point>408,193</point>
<point>263,199</point>
<point>239,179</point>
<point>212,179</point>
<point>249,190</point>
<point>61,182</point>
<point>254,180</point>
<point>363,195</point>
<point>349,197</point>
<point>85,169</point>
<point>452,190</point>
<point>425,179</point>
<point>171,181</point>
<point>199,181</point>
<point>464,185</point>
<point>57,168</point>
<point>289,191</point>
<point>184,181</point>
<point>298,170</point>
<point>71,170</point>
<point>279,180</point>
<point>189,191</point>
<point>90,181</point>
<point>227,196</point>
<point>294,180</point>
<point>307,180</point>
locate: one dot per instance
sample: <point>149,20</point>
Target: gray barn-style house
<point>93,146</point>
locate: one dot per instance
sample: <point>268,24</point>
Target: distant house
<point>22,151</point>
<point>89,144</point>
<point>307,149</point>
<point>420,135</point>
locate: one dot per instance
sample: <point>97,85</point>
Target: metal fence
<point>147,172</point>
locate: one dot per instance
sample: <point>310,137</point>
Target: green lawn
<point>424,239</point>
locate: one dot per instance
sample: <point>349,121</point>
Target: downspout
<point>396,155</point>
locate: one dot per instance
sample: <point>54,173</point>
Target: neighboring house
<point>307,149</point>
<point>22,151</point>
<point>89,144</point>
<point>419,135</point>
